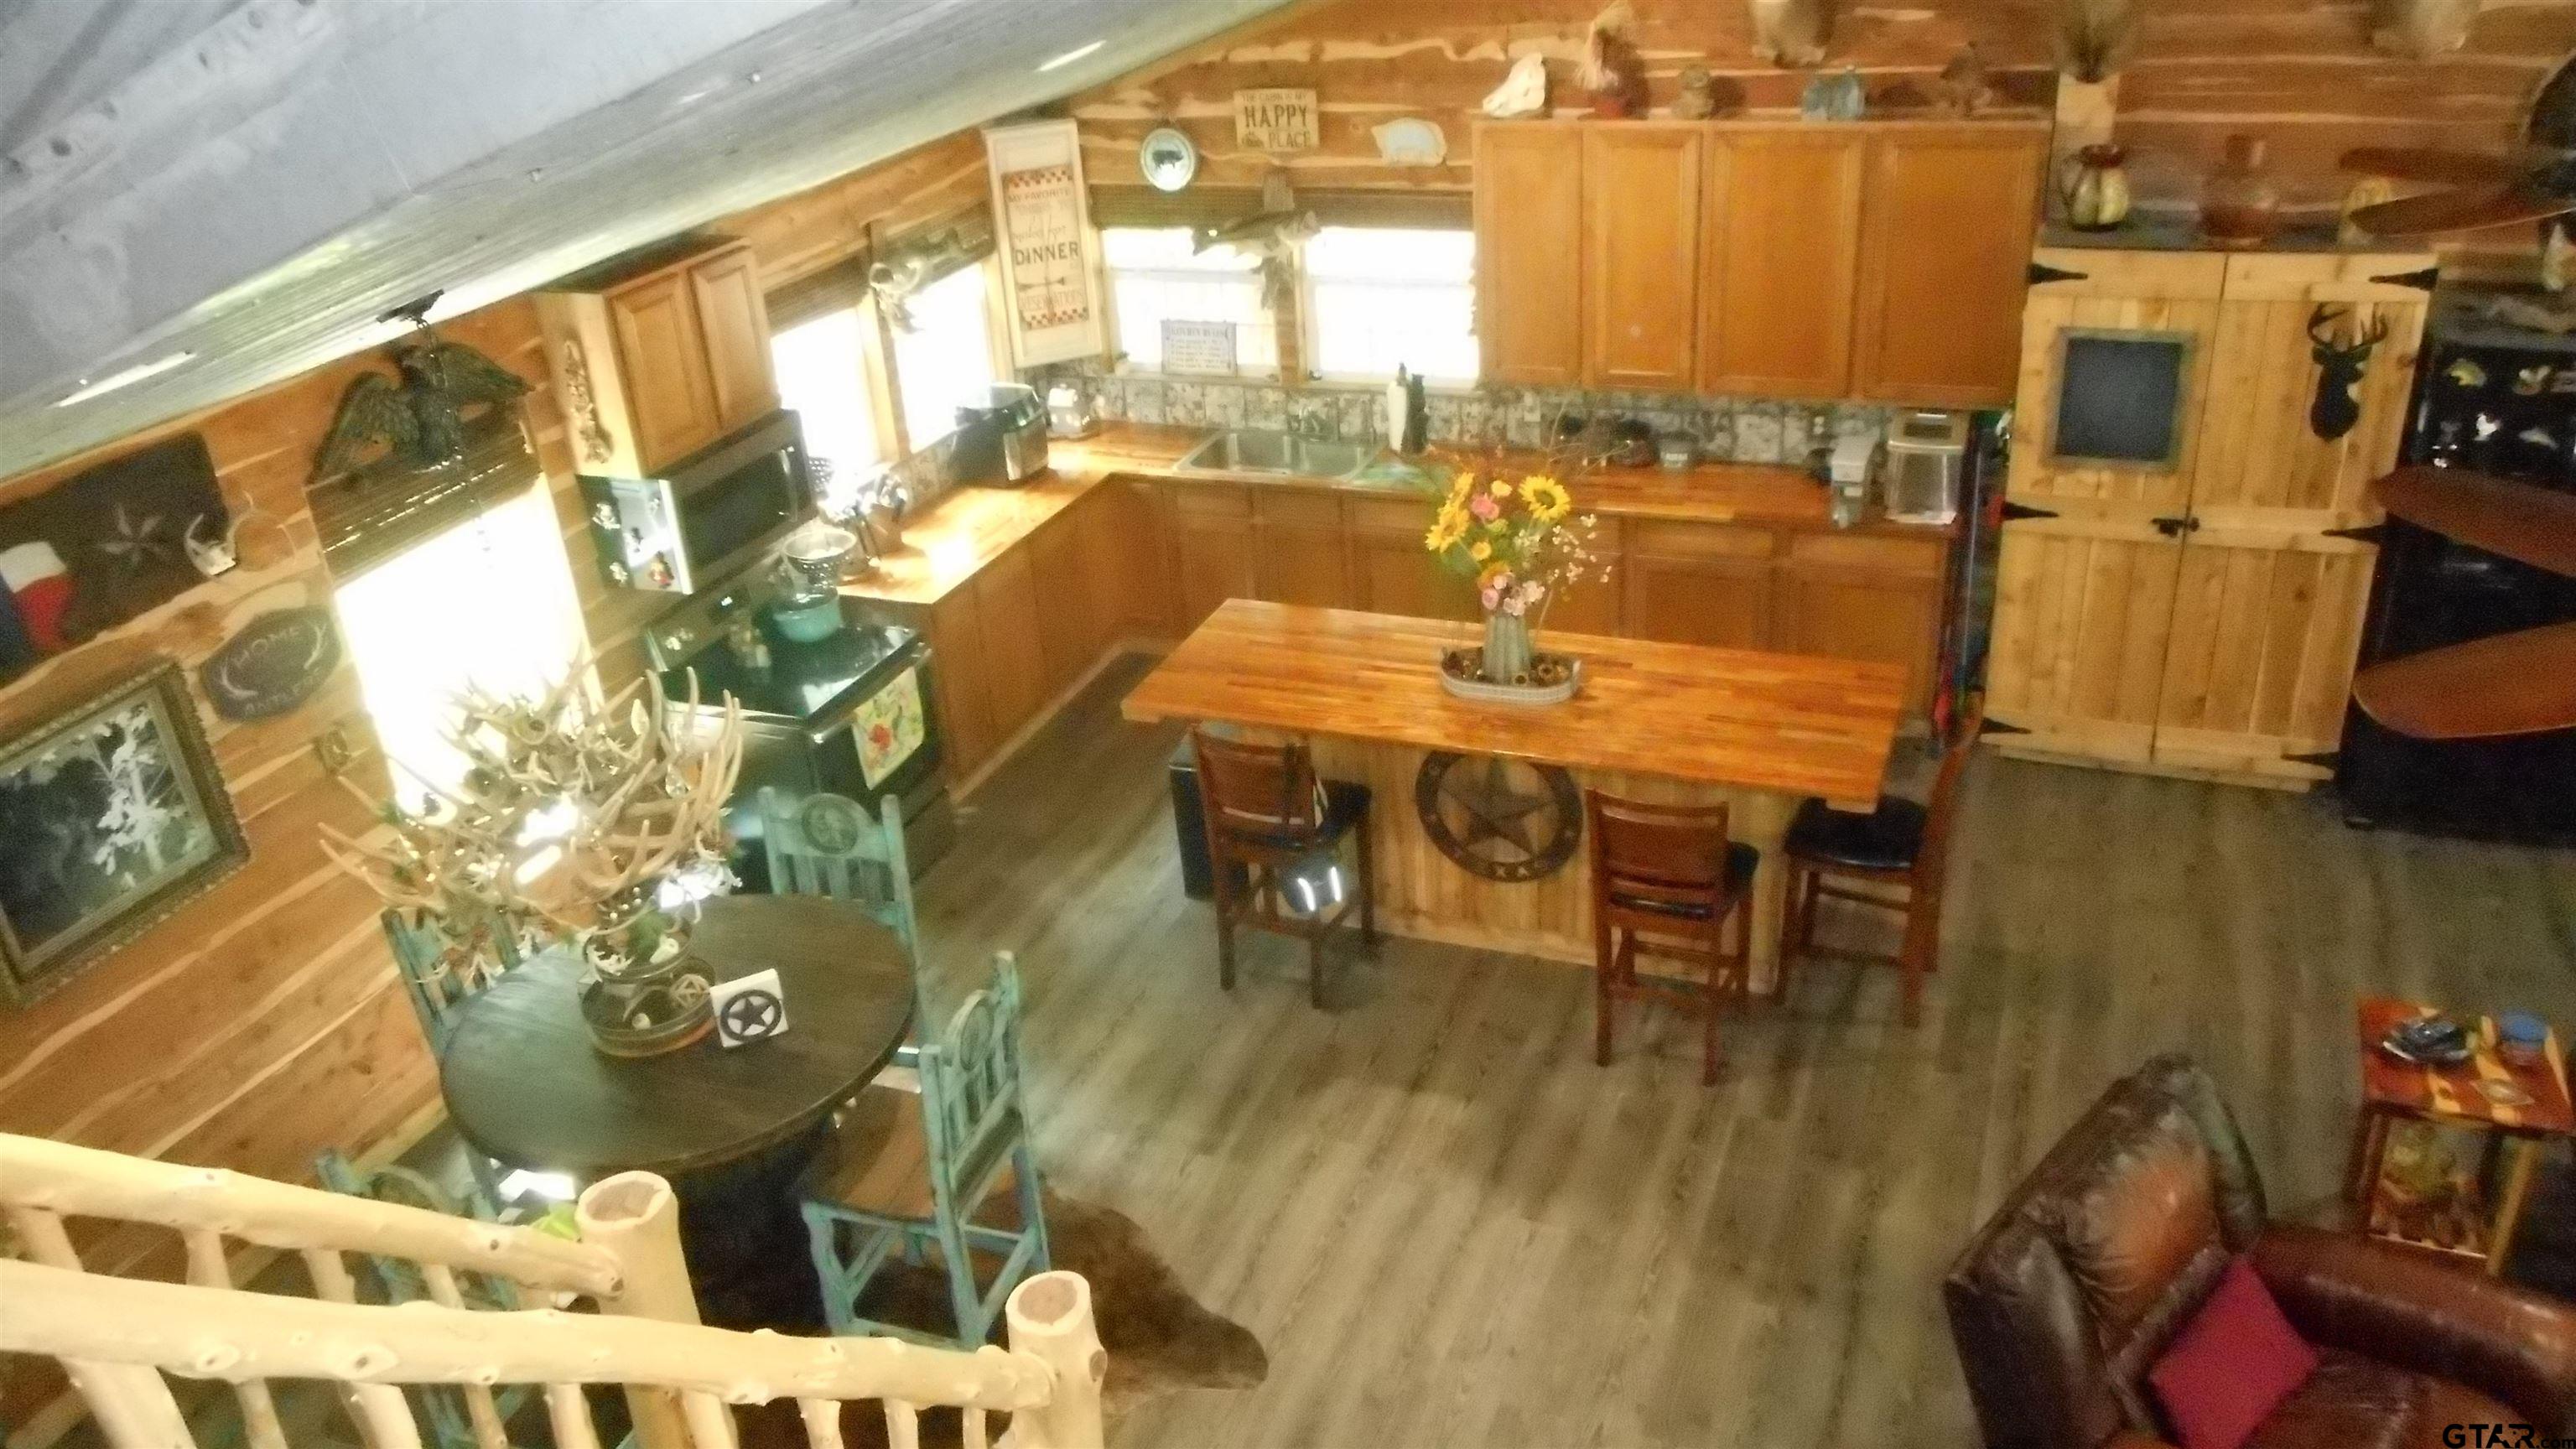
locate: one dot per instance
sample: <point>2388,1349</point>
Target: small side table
<point>2394,1091</point>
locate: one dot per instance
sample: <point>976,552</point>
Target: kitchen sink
<point>1251,450</point>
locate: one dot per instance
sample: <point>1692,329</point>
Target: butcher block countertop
<point>956,537</point>
<point>1776,722</point>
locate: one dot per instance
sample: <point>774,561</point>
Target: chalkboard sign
<point>2119,398</point>
<point>277,662</point>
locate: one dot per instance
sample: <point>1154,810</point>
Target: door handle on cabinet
<point>2176,527</point>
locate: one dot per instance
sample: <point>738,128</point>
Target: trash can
<point>1189,825</point>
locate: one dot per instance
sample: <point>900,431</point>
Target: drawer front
<point>1299,508</point>
<point>1212,500</point>
<point>1699,540</point>
<point>1891,555</point>
<point>1391,515</point>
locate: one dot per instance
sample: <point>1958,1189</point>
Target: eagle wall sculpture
<point>422,420</point>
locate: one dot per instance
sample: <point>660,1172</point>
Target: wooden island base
<point>1665,723</point>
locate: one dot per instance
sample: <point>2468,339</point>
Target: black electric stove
<point>815,714</point>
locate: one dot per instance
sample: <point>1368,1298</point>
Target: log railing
<point>115,1337</point>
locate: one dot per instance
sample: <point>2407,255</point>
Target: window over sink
<point>944,361</point>
<point>1380,297</point>
<point>1157,275</point>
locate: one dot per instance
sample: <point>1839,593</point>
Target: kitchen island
<point>1672,723</point>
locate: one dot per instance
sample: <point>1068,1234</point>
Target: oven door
<point>739,500</point>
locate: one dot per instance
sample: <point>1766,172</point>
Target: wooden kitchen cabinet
<point>1641,219</point>
<point>733,323</point>
<point>1947,213</point>
<point>1529,252</point>
<point>1125,547</point>
<point>1073,616</point>
<point>1778,274</point>
<point>1299,556</point>
<point>1015,659</point>
<point>1698,583</point>
<point>1850,596</point>
<point>656,356</point>
<point>1212,548</point>
<point>958,674</point>
<point>1391,572</point>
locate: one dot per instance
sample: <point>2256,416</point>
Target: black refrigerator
<point>2502,400</point>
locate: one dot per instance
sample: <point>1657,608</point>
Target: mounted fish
<point>423,419</point>
<point>1791,32</point>
<point>1523,91</point>
<point>1270,236</point>
<point>2421,29</point>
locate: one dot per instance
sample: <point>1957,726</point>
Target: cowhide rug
<point>1158,1337</point>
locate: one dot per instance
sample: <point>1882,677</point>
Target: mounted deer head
<point>2339,369</point>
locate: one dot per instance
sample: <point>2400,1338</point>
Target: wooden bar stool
<point>1665,882</point>
<point>1900,844</point>
<point>1269,822</point>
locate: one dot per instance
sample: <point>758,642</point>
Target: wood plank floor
<point>1449,1227</point>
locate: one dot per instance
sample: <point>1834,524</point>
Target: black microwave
<point>710,516</point>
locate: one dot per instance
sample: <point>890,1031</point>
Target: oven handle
<point>912,656</point>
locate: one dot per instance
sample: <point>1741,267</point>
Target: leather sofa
<point>2065,1298</point>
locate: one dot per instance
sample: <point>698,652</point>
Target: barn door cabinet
<point>2180,587</point>
<point>655,357</point>
<point>1774,259</point>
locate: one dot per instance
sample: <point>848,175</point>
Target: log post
<point>1050,1320</point>
<point>636,1218</point>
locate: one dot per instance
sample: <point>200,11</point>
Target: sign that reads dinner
<point>1050,283</point>
<point>1276,120</point>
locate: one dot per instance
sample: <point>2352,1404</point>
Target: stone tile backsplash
<point>1743,430</point>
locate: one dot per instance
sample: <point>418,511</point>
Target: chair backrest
<point>440,977</point>
<point>1941,808</point>
<point>2063,1300</point>
<point>1266,793</point>
<point>457,1417</point>
<point>1656,853</point>
<point>970,1086</point>
<point>831,845</point>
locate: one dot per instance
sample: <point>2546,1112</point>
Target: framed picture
<point>111,815</point>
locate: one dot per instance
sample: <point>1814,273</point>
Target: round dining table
<point>731,1127</point>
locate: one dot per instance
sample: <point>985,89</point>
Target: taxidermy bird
<point>1964,88</point>
<point>1789,32</point>
<point>423,418</point>
<point>2093,38</point>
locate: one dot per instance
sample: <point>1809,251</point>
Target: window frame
<point>1310,321</point>
<point>998,358</point>
<point>1122,362</point>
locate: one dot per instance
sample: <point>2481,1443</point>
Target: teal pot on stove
<point>807,623</point>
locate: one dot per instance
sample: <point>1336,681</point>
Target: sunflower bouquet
<point>1519,540</point>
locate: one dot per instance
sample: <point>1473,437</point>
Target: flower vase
<point>1507,647</point>
<point>642,993</point>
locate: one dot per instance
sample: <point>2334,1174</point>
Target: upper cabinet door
<point>663,356</point>
<point>1945,251</point>
<point>1641,254</point>
<point>736,326</point>
<point>1529,252</point>
<point>1782,221</point>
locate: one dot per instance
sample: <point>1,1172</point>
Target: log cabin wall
<point>261,1021</point>
<point>2299,74</point>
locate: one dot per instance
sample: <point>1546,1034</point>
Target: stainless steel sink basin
<point>1249,450</point>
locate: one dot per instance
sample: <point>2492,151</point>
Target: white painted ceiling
<point>254,181</point>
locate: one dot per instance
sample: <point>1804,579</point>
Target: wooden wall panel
<point>2301,75</point>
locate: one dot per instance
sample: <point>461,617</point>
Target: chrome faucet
<point>1313,425</point>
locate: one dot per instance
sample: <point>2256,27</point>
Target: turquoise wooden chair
<point>831,845</point>
<point>438,990</point>
<point>450,1413</point>
<point>910,1171</point>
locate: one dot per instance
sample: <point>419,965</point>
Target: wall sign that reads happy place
<point>1277,120</point>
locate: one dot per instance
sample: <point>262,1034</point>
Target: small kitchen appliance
<point>1070,413</point>
<point>1847,472</point>
<point>846,711</point>
<point>1003,442</point>
<point>708,517</point>
<point>1926,460</point>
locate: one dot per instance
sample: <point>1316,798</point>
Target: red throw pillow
<point>2231,1365</point>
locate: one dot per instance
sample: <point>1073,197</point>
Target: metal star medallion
<point>1482,815</point>
<point>134,542</point>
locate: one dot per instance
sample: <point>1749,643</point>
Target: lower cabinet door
<point>1865,598</point>
<point>1699,583</point>
<point>957,674</point>
<point>2260,658</point>
<point>2083,612</point>
<point>1212,549</point>
<point>1015,662</point>
<point>1073,616</point>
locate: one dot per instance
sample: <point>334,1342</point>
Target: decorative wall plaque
<point>1168,158</point>
<point>1505,820</point>
<point>278,661</point>
<point>1050,260</point>
<point>1277,120</point>
<point>1199,349</point>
